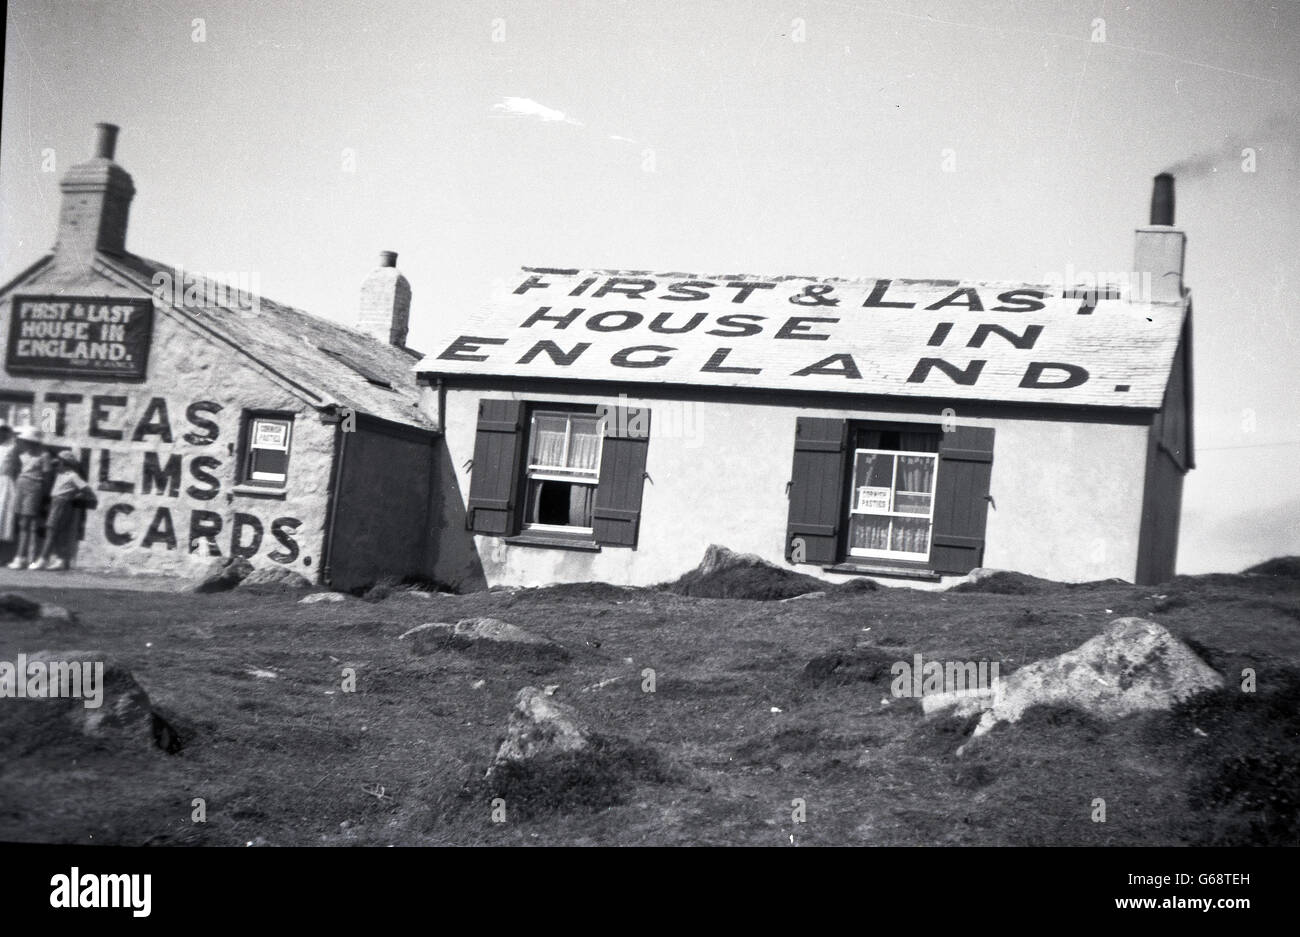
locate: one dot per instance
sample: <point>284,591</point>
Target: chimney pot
<point>1162,200</point>
<point>385,308</point>
<point>96,204</point>
<point>105,140</point>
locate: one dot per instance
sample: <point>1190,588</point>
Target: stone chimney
<point>1160,246</point>
<point>96,201</point>
<point>385,310</point>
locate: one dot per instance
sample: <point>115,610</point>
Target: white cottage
<point>610,425</point>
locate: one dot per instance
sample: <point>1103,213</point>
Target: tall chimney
<point>385,310</point>
<point>96,202</point>
<point>1159,249</point>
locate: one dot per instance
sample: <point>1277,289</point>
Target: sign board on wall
<point>100,337</point>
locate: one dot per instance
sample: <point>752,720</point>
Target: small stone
<point>482,635</point>
<point>321,597</point>
<point>223,574</point>
<point>273,579</point>
<point>57,614</point>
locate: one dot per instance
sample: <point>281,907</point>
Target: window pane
<point>560,504</point>
<point>912,504</point>
<point>584,443</point>
<point>873,469</point>
<point>548,440</point>
<point>269,462</point>
<point>869,533</point>
<point>915,473</point>
<point>910,536</point>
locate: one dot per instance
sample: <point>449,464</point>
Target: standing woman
<point>34,466</point>
<point>8,471</point>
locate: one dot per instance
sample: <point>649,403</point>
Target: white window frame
<point>894,493</point>
<point>538,472</point>
<point>269,479</point>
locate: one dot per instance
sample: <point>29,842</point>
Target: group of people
<point>29,475</point>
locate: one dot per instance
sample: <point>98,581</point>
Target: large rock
<point>725,574</point>
<point>18,607</point>
<point>487,635</point>
<point>1133,666</point>
<point>541,726</point>
<point>223,574</point>
<point>718,558</point>
<point>272,579</point>
<point>120,710</point>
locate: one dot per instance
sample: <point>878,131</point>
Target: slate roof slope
<point>292,342</point>
<point>861,336</point>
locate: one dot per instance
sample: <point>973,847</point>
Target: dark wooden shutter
<point>961,502</point>
<point>494,478</point>
<point>817,489</point>
<point>617,510</point>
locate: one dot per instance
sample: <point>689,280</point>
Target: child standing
<point>67,486</point>
<point>31,466</point>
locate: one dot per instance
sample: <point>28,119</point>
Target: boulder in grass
<point>274,579</point>
<point>81,695</point>
<point>223,574</point>
<point>57,614</point>
<point>725,574</point>
<point>1002,582</point>
<point>15,607</point>
<point>1133,666</point>
<point>540,726</point>
<point>316,597</point>
<point>489,636</point>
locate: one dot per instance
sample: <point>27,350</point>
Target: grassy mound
<point>861,665</point>
<point>1005,582</point>
<point>1244,775</point>
<point>1286,567</point>
<point>762,583</point>
<point>603,776</point>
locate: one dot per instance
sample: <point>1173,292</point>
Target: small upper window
<point>563,469</point>
<point>267,450</point>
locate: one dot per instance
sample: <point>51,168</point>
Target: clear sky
<point>298,139</point>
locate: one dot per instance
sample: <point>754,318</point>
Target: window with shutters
<point>562,472</point>
<point>265,443</point>
<point>883,496</point>
<point>558,474</point>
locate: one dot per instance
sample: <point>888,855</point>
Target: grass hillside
<point>756,705</point>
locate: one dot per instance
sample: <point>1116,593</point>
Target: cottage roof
<point>326,362</point>
<point>1090,346</point>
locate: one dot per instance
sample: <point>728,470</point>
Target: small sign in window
<point>268,451</point>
